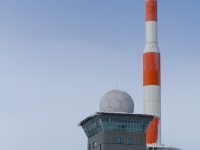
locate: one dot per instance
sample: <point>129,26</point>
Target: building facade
<point>116,131</point>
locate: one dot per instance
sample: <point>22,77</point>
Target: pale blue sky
<point>59,57</point>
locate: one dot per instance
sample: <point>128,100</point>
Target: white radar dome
<point>116,101</point>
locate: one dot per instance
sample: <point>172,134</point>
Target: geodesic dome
<point>116,101</point>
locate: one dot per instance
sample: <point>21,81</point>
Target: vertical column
<point>151,74</point>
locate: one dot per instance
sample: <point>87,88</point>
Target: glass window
<point>94,144</point>
<point>93,129</point>
<point>129,141</point>
<point>120,140</point>
<point>125,125</point>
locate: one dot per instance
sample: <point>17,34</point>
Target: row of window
<point>124,121</point>
<point>124,125</point>
<point>116,125</point>
<point>128,141</point>
<point>120,141</point>
<point>93,129</point>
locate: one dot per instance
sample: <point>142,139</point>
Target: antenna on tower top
<point>116,85</point>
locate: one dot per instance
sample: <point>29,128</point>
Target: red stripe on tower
<point>151,68</point>
<point>151,10</point>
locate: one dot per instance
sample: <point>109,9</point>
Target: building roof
<point>115,113</point>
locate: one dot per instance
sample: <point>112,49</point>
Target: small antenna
<point>116,85</point>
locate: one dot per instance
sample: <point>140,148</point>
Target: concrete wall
<point>109,141</point>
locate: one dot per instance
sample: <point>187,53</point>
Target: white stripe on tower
<point>151,74</point>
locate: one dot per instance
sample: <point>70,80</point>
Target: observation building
<point>116,131</point>
<point>115,127</point>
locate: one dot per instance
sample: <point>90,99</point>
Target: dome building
<point>116,101</point>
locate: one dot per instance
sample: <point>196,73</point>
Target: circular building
<point>116,101</point>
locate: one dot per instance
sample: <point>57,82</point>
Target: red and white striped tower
<point>151,74</point>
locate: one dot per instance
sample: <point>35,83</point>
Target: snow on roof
<point>117,113</point>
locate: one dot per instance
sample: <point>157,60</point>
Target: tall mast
<point>151,74</point>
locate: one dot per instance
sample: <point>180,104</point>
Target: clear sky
<point>59,57</point>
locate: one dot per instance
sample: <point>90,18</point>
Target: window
<point>125,125</point>
<point>94,144</point>
<point>89,146</point>
<point>93,129</point>
<point>129,141</point>
<point>120,140</point>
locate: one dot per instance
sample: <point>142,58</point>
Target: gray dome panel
<point>120,110</point>
<point>125,104</point>
<point>110,95</point>
<point>110,109</point>
<point>115,103</point>
<point>119,96</point>
<point>105,104</point>
<point>127,96</point>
